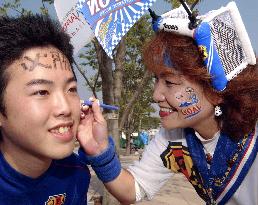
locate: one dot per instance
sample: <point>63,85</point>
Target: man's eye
<point>73,90</point>
<point>41,92</point>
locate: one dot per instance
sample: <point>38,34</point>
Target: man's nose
<point>62,105</point>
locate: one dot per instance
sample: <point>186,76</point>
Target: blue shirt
<point>65,182</point>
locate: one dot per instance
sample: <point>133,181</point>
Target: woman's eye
<point>169,82</point>
<point>41,92</point>
<point>155,79</point>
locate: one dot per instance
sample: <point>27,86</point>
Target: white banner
<point>74,23</point>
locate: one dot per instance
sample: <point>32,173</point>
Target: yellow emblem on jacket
<point>56,199</point>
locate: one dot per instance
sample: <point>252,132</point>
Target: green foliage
<point>88,60</point>
<point>9,7</point>
<point>43,8</point>
<point>133,72</point>
<point>89,57</point>
<point>150,122</point>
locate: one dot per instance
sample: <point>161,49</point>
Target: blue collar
<point>227,156</point>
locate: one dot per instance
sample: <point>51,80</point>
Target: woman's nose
<point>158,95</point>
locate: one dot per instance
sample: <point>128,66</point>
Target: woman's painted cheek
<point>179,97</point>
<point>191,104</point>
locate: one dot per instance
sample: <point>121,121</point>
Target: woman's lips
<point>166,111</point>
<point>164,114</point>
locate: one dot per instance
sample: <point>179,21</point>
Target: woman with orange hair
<point>206,87</point>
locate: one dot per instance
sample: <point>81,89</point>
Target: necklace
<point>208,158</point>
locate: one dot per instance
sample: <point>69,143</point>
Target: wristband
<point>106,165</point>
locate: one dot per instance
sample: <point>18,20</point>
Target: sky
<point>247,8</point>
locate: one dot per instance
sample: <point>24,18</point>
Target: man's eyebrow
<point>70,80</point>
<point>47,82</point>
<point>39,82</point>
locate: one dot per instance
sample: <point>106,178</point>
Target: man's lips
<point>63,131</point>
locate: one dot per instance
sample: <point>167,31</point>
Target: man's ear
<point>2,117</point>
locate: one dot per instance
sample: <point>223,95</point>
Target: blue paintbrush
<point>104,106</point>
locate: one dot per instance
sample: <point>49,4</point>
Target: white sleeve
<point>149,173</point>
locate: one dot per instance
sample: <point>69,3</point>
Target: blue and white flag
<point>110,20</point>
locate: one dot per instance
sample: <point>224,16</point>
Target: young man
<point>40,114</point>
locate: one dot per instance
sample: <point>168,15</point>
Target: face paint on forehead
<point>31,63</point>
<point>59,58</point>
<point>56,59</point>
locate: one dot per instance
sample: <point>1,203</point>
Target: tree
<point>137,85</point>
<point>123,80</point>
<point>15,6</point>
<point>133,91</point>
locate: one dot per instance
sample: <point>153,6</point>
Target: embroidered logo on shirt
<point>177,158</point>
<point>56,199</point>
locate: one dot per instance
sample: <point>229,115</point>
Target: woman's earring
<point>218,111</point>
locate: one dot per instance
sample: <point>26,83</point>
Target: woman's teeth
<point>167,109</point>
